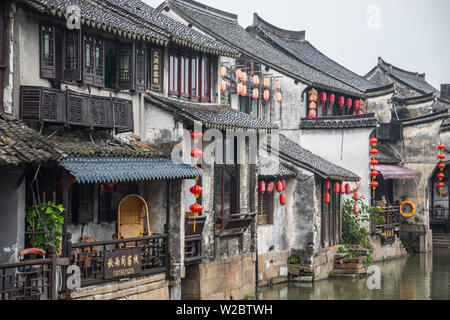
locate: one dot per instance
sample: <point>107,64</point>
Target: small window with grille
<point>47,50</point>
<point>265,208</point>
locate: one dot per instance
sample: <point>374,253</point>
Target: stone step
<point>350,271</point>
<point>348,265</point>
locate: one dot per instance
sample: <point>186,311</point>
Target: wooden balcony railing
<point>149,253</point>
<point>193,239</point>
<point>72,108</point>
<point>391,215</point>
<point>30,279</point>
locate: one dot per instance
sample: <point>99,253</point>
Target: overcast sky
<point>410,34</point>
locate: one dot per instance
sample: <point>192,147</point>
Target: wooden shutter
<point>88,59</point>
<point>123,115</point>
<point>99,62</point>
<point>47,51</point>
<point>72,55</point>
<point>141,69</point>
<point>125,66</point>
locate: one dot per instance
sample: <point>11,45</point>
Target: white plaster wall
<point>274,234</point>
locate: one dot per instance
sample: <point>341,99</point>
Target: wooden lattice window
<point>195,77</point>
<point>265,208</point>
<point>141,70</point>
<point>226,193</point>
<point>174,73</point>
<point>205,79</point>
<point>184,75</point>
<point>99,57</point>
<point>125,67</point>
<point>94,66</point>
<point>72,55</point>
<point>47,52</point>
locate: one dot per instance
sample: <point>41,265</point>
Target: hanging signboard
<point>122,263</point>
<point>390,235</point>
<point>156,72</point>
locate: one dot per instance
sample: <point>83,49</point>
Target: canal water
<point>416,277</point>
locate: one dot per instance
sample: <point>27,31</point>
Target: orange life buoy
<point>408,215</point>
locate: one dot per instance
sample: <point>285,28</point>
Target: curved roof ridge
<point>207,9</point>
<point>284,33</point>
<point>396,70</point>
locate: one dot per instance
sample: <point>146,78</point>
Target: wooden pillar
<point>52,281</point>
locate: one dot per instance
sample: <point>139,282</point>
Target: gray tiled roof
<point>102,18</point>
<point>19,144</point>
<point>292,152</point>
<point>109,169</point>
<point>211,115</point>
<point>224,26</point>
<point>268,168</point>
<point>141,12</point>
<point>354,121</point>
<point>412,79</point>
<point>301,49</point>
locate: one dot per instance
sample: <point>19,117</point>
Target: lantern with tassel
<point>223,72</point>
<point>223,86</point>
<point>266,95</point>
<point>336,188</point>
<point>312,94</point>
<point>262,187</point>
<point>348,104</point>
<point>283,184</point>
<point>269,187</point>
<point>342,188</point>
<point>283,199</point>
<point>341,102</point>
<point>348,189</point>
<point>255,94</point>
<point>374,185</point>
<point>196,191</point>
<point>356,209</point>
<point>196,208</point>
<point>279,187</point>
<point>240,88</point>
<point>239,74</point>
<point>266,83</point>
<point>279,97</point>
<point>244,77</point>
<point>327,185</point>
<point>196,154</point>
<point>278,85</point>
<point>326,198</point>
<point>255,80</point>
<point>312,115</point>
<point>441,166</point>
<point>332,99</point>
<point>356,196</point>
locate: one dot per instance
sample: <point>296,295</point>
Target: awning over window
<point>389,171</point>
<point>110,169</point>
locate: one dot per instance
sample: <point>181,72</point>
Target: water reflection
<point>417,277</point>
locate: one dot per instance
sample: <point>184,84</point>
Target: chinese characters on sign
<point>155,71</point>
<point>390,235</point>
<point>122,263</point>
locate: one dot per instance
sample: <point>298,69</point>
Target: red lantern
<point>348,189</point>
<point>441,166</point>
<point>279,187</point>
<point>196,190</point>
<point>240,88</point>
<point>283,184</point>
<point>337,188</point>
<point>441,157</point>
<point>196,135</point>
<point>348,103</point>
<point>223,86</point>
<point>356,209</point>
<point>278,85</point>
<point>312,114</point>
<point>196,208</point>
<point>356,196</point>
<point>440,185</point>
<point>269,187</point>
<point>327,185</point>
<point>262,187</point>
<point>266,95</point>
<point>332,98</point>
<point>374,162</point>
<point>255,94</point>
<point>266,83</point>
<point>341,101</point>
<point>326,198</point>
<point>279,97</point>
<point>323,97</point>
<point>342,188</point>
<point>196,153</point>
<point>356,104</point>
<point>312,106</point>
<point>244,77</point>
<point>374,152</point>
<point>441,147</point>
<point>283,199</point>
<point>223,72</point>
<point>441,175</point>
<point>374,174</point>
<point>374,184</point>
<point>239,74</point>
<point>373,141</point>
<point>255,80</point>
